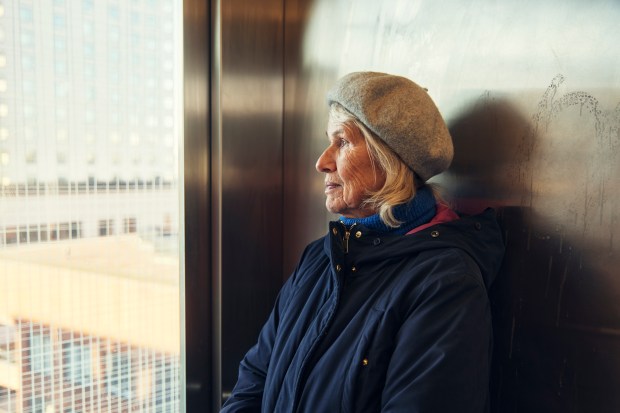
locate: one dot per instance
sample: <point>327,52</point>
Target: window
<point>129,225</point>
<point>106,227</point>
<point>8,400</point>
<point>25,14</point>
<point>27,87</point>
<point>60,45</point>
<point>41,353</point>
<point>27,40</point>
<point>31,156</point>
<point>29,110</point>
<point>165,377</point>
<point>27,62</point>
<point>118,374</point>
<point>60,67</point>
<point>90,159</point>
<point>59,21</point>
<point>77,362</point>
<point>61,158</point>
<point>89,267</point>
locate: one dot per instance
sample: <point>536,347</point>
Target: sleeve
<point>247,395</point>
<point>441,359</point>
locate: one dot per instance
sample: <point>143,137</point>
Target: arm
<point>442,354</point>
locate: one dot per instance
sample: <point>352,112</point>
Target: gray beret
<point>402,114</point>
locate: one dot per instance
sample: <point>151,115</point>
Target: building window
<point>165,378</point>
<point>129,225</point>
<point>90,159</point>
<point>59,21</point>
<point>106,227</point>
<point>118,374</point>
<point>26,39</point>
<point>27,62</point>
<point>8,399</point>
<point>61,158</point>
<point>37,405</point>
<point>77,362</point>
<point>27,87</point>
<point>88,5</point>
<point>31,156</point>
<point>60,67</point>
<point>41,353</point>
<point>25,14</point>
<point>60,44</point>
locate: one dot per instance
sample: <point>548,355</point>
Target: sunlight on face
<point>349,172</point>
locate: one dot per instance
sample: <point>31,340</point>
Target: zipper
<point>302,376</point>
<point>347,235</point>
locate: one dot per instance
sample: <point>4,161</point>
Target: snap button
<point>365,362</point>
<point>434,234</point>
<point>338,267</point>
<point>334,231</point>
<point>478,226</point>
<point>358,234</point>
<point>353,269</point>
<point>376,241</point>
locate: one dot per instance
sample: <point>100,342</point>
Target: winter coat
<point>380,323</point>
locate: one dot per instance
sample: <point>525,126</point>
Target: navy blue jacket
<point>380,323</point>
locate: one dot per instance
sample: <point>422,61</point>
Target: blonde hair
<point>400,181</point>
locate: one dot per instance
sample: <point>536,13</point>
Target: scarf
<point>420,210</point>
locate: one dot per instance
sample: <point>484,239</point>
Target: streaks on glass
<point>575,161</point>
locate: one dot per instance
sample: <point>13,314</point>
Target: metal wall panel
<point>196,244</point>
<point>248,149</point>
<point>531,93</point>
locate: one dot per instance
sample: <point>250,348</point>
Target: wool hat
<point>400,113</point>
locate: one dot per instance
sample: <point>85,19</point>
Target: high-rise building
<point>89,205</point>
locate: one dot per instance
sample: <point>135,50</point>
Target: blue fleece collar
<point>420,210</point>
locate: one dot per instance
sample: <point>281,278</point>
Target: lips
<point>330,186</point>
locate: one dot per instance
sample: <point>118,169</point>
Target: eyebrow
<point>337,132</point>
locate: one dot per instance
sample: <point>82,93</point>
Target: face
<point>349,173</point>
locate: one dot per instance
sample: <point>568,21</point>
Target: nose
<point>326,163</point>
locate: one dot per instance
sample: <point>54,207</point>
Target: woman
<point>388,311</point>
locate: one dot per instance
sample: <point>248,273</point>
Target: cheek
<point>358,177</point>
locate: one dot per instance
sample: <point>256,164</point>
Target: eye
<point>342,142</point>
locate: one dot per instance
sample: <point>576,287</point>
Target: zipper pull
<point>347,234</point>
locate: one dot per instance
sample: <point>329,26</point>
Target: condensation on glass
<point>89,191</point>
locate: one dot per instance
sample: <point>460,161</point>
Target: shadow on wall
<point>554,180</point>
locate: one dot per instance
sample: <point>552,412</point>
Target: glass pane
<point>90,126</point>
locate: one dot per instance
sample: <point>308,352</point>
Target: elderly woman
<point>388,312</point>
